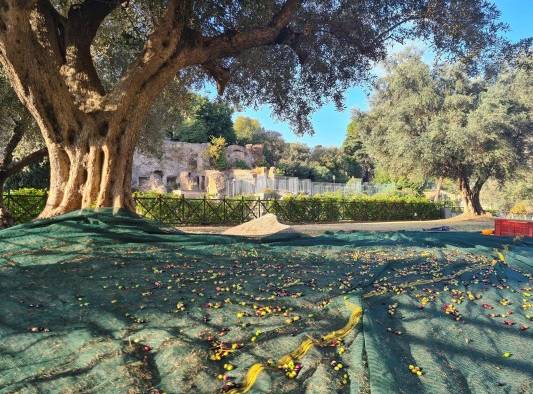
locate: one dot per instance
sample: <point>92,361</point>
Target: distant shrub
<point>522,208</point>
<point>270,194</point>
<point>241,164</point>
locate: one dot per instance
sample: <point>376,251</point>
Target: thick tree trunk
<point>94,172</point>
<point>470,196</point>
<point>439,187</point>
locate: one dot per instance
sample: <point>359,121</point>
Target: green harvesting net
<point>100,303</point>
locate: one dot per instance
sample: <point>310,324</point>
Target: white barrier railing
<point>293,185</point>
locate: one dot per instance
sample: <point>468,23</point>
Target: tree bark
<point>91,173</point>
<point>470,196</point>
<point>439,187</point>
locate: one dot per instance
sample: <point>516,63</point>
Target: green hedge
<point>360,208</point>
<point>171,209</point>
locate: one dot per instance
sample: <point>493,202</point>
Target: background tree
<point>295,161</point>
<point>291,55</point>
<point>216,153</point>
<point>319,163</point>
<point>250,131</point>
<point>357,160</point>
<point>20,143</point>
<point>247,130</point>
<point>446,123</point>
<point>328,162</point>
<point>502,197</point>
<point>273,146</point>
<point>204,120</point>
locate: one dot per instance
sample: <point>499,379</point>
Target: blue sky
<point>330,124</point>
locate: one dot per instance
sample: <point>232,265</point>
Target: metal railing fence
<point>181,211</point>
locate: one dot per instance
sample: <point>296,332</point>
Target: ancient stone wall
<point>249,154</point>
<point>182,165</point>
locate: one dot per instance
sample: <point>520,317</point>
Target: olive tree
<point>290,54</point>
<point>446,123</point>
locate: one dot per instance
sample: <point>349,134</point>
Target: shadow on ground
<point>98,303</point>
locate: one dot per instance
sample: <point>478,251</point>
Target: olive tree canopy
<point>445,123</point>
<point>291,54</point>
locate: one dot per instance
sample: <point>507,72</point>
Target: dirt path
<point>455,224</point>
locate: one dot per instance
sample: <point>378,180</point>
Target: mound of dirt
<point>265,226</point>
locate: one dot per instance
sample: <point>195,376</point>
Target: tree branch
<point>220,74</point>
<point>174,46</point>
<point>233,43</point>
<point>384,35</point>
<point>18,133</point>
<point>480,181</point>
<point>79,31</point>
<point>33,157</point>
<point>159,48</point>
<point>84,19</point>
<point>32,61</point>
<point>293,40</point>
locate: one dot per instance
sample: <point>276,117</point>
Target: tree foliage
<point>443,122</point>
<point>291,54</point>
<point>204,120</point>
<point>216,153</point>
<point>319,163</point>
<point>247,130</point>
<point>357,160</point>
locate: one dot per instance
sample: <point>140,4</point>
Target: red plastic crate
<point>511,227</point>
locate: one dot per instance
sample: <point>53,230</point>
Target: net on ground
<point>100,303</point>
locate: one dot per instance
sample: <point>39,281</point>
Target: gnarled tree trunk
<point>436,198</point>
<point>470,195</point>
<point>90,172</point>
<point>90,154</point>
<point>90,140</point>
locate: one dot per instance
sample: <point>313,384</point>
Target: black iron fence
<point>180,211</point>
<point>25,207</point>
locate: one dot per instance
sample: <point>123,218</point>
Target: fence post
<point>183,208</point>
<point>224,214</point>
<point>242,209</point>
<point>204,202</point>
<point>159,197</point>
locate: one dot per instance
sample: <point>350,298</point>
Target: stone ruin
<point>184,167</point>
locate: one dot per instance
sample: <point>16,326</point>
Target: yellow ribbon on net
<point>357,311</point>
<point>249,379</point>
<point>298,353</point>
